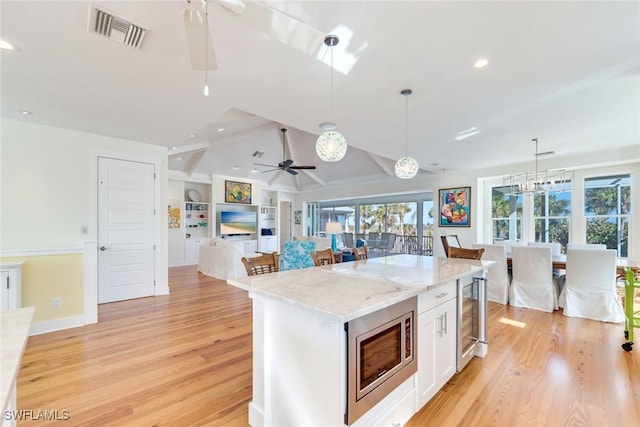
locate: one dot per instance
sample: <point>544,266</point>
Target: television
<point>238,222</point>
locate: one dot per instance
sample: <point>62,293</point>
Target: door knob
<point>103,248</point>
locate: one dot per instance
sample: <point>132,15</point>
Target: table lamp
<point>334,228</point>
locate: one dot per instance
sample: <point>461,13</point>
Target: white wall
<point>45,189</point>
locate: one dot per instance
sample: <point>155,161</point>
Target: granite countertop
<point>352,289</point>
<point>14,333</point>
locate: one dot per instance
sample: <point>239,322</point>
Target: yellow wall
<point>48,276</point>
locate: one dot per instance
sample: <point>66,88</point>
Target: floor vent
<point>116,28</point>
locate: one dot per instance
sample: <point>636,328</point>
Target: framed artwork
<point>174,213</point>
<point>455,207</point>
<point>297,217</point>
<point>237,192</point>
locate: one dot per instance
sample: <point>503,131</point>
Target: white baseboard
<point>53,325</point>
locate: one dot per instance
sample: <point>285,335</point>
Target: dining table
<point>559,262</point>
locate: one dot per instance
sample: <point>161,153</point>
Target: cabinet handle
<point>445,322</point>
<point>442,295</point>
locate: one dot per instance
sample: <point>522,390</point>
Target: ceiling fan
<point>272,22</point>
<point>286,164</point>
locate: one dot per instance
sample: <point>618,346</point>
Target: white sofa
<point>222,259</point>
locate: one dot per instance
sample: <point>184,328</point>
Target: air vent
<point>116,28</point>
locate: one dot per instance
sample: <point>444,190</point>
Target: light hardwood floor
<point>185,359</point>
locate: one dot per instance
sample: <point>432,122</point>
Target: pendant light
<point>206,48</point>
<point>406,167</point>
<point>331,146</point>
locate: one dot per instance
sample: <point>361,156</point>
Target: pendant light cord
<point>406,125</point>
<point>206,46</point>
<point>331,104</point>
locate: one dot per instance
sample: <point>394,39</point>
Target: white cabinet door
<point>436,350</point>
<point>192,250</point>
<point>268,244</point>
<point>4,290</point>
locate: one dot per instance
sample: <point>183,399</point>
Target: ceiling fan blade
<point>262,164</point>
<point>303,167</point>
<point>271,170</point>
<point>287,163</point>
<point>291,171</point>
<point>194,24</point>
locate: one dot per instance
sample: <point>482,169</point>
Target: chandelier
<point>331,146</point>
<point>540,181</point>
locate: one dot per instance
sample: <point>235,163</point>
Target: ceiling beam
<point>189,148</point>
<point>194,160</point>
<point>382,163</point>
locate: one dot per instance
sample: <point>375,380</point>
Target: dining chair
<point>361,253</point>
<point>373,241</point>
<point>297,254</point>
<point>449,241</point>
<point>533,284</point>
<point>324,257</point>
<point>590,286</point>
<point>593,246</point>
<point>347,240</point>
<point>508,244</point>
<point>556,248</point>
<point>498,274</point>
<point>263,264</point>
<point>387,242</point>
<point>466,253</point>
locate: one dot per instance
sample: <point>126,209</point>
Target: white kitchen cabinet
<point>10,285</point>
<point>268,243</point>
<point>436,342</point>
<point>192,249</point>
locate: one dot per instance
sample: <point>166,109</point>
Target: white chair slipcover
<point>532,285</point>
<point>508,244</point>
<point>585,246</point>
<point>589,290</point>
<point>555,247</point>
<point>498,274</point>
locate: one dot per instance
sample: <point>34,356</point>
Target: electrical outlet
<point>56,302</point>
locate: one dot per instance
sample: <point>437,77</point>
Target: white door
<point>125,230</point>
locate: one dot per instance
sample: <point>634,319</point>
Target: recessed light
<point>254,170</point>
<point>220,130</point>
<point>179,158</point>
<point>173,148</point>
<point>235,168</point>
<point>25,112</point>
<point>193,135</point>
<point>6,45</point>
<point>482,62</point>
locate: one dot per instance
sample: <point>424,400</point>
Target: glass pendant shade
<point>331,146</point>
<point>406,167</point>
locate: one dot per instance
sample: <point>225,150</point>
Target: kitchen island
<point>300,348</point>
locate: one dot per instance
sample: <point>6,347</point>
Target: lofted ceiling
<point>566,72</point>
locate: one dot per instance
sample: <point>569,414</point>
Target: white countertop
<point>352,289</point>
<point>14,332</point>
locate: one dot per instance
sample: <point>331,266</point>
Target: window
<point>506,215</point>
<point>607,208</point>
<point>372,218</point>
<point>551,214</point>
